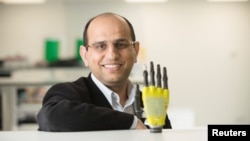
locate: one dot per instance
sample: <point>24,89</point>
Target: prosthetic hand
<point>155,98</point>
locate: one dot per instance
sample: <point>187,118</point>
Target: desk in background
<point>32,77</point>
<point>115,135</point>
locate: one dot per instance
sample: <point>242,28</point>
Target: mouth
<point>112,67</point>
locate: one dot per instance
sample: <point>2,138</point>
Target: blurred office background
<point>205,46</point>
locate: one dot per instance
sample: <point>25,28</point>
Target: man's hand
<point>140,125</point>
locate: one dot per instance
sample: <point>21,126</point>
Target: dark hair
<point>85,36</point>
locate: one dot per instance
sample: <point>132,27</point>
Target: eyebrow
<point>98,42</point>
<point>103,41</point>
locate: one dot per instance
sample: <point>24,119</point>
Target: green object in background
<point>51,50</point>
<point>79,43</point>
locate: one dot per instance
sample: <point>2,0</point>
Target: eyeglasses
<point>118,44</point>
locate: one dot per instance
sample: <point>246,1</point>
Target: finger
<point>165,78</point>
<point>145,76</point>
<point>158,76</point>
<point>152,74</point>
<point>137,103</point>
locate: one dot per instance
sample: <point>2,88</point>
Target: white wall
<point>205,46</point>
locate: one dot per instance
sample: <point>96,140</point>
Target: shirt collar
<point>131,91</point>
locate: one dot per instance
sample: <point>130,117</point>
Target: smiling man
<point>104,99</point>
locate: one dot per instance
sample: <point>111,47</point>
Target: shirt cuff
<point>134,124</point>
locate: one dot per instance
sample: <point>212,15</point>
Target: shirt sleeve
<point>133,126</point>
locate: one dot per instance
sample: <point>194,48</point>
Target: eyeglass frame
<point>114,42</point>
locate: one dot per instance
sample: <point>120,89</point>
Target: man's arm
<point>64,109</point>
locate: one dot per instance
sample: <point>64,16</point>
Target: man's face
<point>112,65</point>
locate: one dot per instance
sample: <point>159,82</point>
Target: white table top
<point>115,135</point>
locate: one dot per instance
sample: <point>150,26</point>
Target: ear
<point>83,53</point>
<point>136,48</point>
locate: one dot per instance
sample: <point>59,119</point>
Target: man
<point>103,100</point>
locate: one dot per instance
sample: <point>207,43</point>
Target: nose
<point>112,51</point>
